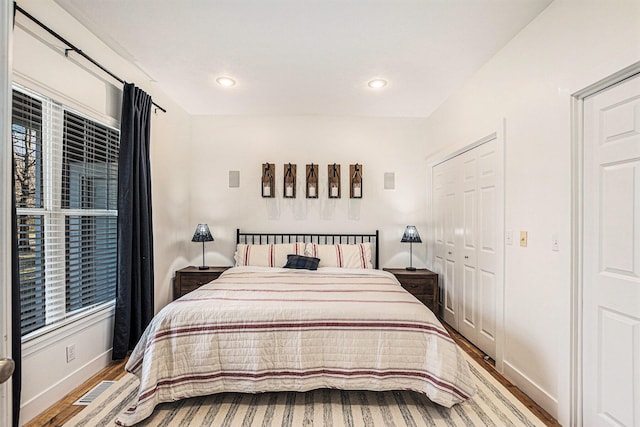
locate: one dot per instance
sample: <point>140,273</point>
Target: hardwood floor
<point>490,366</point>
<point>64,410</point>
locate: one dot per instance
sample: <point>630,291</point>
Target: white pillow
<point>341,255</point>
<point>271,255</point>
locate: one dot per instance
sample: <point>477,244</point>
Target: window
<point>66,192</point>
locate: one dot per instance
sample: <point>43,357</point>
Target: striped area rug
<point>492,405</point>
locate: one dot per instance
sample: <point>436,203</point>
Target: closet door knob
<point>449,253</point>
<point>466,256</point>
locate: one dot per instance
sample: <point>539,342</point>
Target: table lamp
<point>202,234</point>
<point>411,235</point>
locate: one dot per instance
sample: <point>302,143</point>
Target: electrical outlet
<point>71,353</point>
<point>555,243</point>
<point>523,238</point>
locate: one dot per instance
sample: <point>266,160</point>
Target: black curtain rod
<point>73,48</point>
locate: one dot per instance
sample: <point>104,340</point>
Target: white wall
<point>40,64</point>
<point>220,144</point>
<point>170,165</point>
<point>529,83</point>
<point>572,44</point>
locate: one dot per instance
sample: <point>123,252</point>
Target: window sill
<point>48,335</point>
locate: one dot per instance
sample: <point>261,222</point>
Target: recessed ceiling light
<point>377,83</point>
<point>225,81</point>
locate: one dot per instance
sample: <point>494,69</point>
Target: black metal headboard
<point>319,238</point>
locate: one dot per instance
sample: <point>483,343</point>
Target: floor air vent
<point>93,394</point>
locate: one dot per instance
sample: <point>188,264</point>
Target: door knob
<point>7,367</point>
<point>449,253</point>
<point>466,256</point>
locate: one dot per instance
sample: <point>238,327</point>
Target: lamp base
<point>206,267</point>
<point>411,268</point>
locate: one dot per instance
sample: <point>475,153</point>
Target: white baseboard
<point>39,403</point>
<point>531,389</point>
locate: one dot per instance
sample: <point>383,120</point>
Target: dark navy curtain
<point>134,294</point>
<point>16,332</point>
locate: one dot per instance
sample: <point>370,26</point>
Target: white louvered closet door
<point>611,257</point>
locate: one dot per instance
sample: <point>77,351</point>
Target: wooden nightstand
<point>422,283</point>
<point>191,278</point>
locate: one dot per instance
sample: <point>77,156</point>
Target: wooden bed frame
<point>318,238</point>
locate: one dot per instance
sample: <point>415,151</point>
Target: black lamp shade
<point>411,235</point>
<point>202,234</point>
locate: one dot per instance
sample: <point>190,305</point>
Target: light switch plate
<point>389,181</point>
<point>555,242</point>
<point>509,237</point>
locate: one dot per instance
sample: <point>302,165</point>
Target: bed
<point>260,328</point>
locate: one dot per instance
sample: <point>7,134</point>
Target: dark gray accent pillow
<point>302,262</point>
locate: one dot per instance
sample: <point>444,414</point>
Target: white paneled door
<point>467,203</point>
<point>485,244</point>
<point>445,208</point>
<point>611,257</point>
<point>6,8</point>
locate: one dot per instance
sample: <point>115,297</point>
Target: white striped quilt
<point>258,329</point>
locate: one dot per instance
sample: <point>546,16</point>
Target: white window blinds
<point>66,193</point>
<point>27,137</point>
<point>89,201</point>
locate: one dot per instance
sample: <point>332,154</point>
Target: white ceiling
<point>307,56</point>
